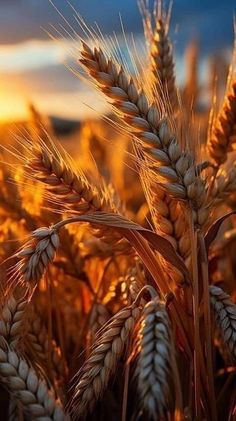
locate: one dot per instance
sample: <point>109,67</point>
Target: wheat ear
<point>132,283</point>
<point>176,171</point>
<point>223,133</point>
<point>162,63</point>
<point>36,255</point>
<point>170,219</point>
<point>72,191</point>
<point>154,356</point>
<point>9,199</point>
<point>224,185</point>
<point>98,317</point>
<point>100,366</point>
<point>37,400</point>
<point>225,315</point>
<point>38,341</point>
<point>13,315</point>
<point>125,289</point>
<point>11,329</point>
<point>13,410</point>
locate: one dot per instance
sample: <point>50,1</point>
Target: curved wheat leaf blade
<point>214,229</point>
<point>126,227</point>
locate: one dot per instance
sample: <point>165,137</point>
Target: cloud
<point>24,19</point>
<point>34,70</point>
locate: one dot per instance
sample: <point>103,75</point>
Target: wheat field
<point>117,257</point>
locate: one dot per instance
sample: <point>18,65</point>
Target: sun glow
<point>12,109</point>
<point>13,104</point>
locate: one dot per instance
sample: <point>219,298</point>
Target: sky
<point>32,65</point>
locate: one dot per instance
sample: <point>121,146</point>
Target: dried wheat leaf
<point>130,230</point>
<point>214,229</point>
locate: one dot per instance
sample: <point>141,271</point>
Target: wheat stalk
<point>94,376</point>
<point>154,359</point>
<point>191,88</point>
<point>225,315</point>
<point>223,133</point>
<point>176,171</point>
<point>24,384</point>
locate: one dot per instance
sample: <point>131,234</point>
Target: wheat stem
<point>207,323</point>
<point>197,369</point>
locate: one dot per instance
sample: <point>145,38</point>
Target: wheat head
<point>176,171</point>
<point>225,316</point>
<point>24,384</point>
<point>223,134</point>
<point>36,255</point>
<point>153,361</point>
<point>101,364</point>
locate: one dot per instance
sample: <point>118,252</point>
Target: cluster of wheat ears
<point>107,311</point>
